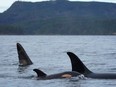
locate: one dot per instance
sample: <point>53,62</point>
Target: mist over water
<point>48,53</point>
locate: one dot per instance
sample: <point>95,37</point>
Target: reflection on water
<point>22,69</point>
<point>48,53</point>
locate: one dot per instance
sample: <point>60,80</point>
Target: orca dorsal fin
<point>40,73</point>
<point>23,57</point>
<point>77,64</point>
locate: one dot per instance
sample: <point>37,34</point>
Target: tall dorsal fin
<point>40,73</point>
<point>23,57</point>
<point>77,64</point>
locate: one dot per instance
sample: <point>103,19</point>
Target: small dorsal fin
<point>22,55</point>
<point>40,73</point>
<point>77,64</point>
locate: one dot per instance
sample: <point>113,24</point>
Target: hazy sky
<point>5,4</point>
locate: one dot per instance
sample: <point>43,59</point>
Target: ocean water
<point>48,53</point>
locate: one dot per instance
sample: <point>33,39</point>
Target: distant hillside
<point>59,17</point>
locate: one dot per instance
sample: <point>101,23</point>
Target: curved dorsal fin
<point>22,55</point>
<point>40,73</point>
<point>77,64</point>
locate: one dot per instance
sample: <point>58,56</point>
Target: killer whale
<point>43,76</point>
<point>78,66</point>
<point>24,59</point>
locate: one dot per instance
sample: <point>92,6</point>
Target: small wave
<point>80,77</point>
<point>16,77</point>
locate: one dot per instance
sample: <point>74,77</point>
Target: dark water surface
<point>49,54</point>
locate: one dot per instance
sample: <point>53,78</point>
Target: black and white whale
<point>43,76</point>
<point>78,66</point>
<point>24,59</point>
